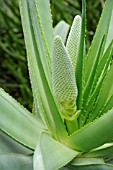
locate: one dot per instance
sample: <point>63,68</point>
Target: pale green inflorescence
<point>73,40</point>
<point>63,79</point>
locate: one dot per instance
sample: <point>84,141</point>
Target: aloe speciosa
<point>71,126</point>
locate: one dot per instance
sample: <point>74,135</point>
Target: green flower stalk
<point>73,40</point>
<point>63,79</point>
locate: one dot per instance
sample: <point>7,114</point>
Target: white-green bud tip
<point>63,77</point>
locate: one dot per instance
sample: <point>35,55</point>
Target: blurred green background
<point>14,77</point>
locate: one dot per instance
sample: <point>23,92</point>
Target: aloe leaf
<point>62,29</point>
<point>90,164</point>
<point>103,151</point>
<point>104,64</point>
<point>90,80</point>
<point>47,155</point>
<point>94,134</point>
<point>14,103</point>
<point>42,28</point>
<point>79,64</point>
<point>45,21</point>
<point>17,122</point>
<point>41,90</point>
<point>104,20</point>
<point>15,162</point>
<point>90,104</point>
<point>103,96</point>
<point>39,37</point>
<point>73,40</point>
<point>86,161</point>
<point>92,167</point>
<point>88,98</point>
<point>7,144</point>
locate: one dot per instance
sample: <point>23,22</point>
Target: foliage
<point>72,133</point>
<point>18,84</point>
<point>13,71</point>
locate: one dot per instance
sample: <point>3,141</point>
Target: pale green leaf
<point>45,20</point>
<point>7,144</point>
<point>92,167</point>
<point>17,122</point>
<point>15,162</point>
<point>41,89</point>
<point>94,134</point>
<point>105,150</point>
<point>52,155</point>
<point>86,161</point>
<point>41,45</point>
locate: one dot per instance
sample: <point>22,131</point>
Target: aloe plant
<point>71,123</point>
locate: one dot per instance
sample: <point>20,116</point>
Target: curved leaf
<point>102,29</point>
<point>104,151</point>
<point>17,122</point>
<point>89,86</point>
<point>92,167</point>
<point>7,144</point>
<point>45,21</point>
<point>38,31</point>
<point>104,63</point>
<point>86,161</point>
<point>41,88</point>
<point>94,134</point>
<point>15,162</point>
<point>91,77</point>
<point>50,154</point>
<point>103,96</point>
